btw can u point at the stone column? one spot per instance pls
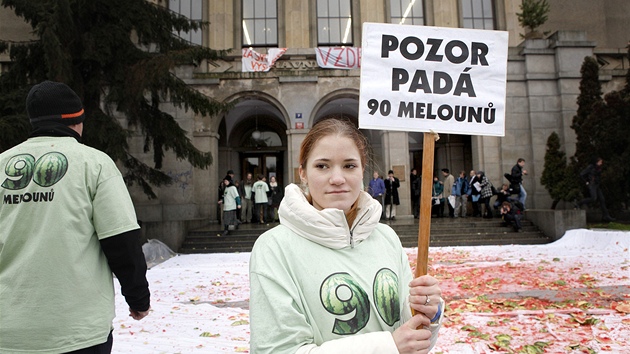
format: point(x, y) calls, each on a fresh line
point(294, 140)
point(206, 194)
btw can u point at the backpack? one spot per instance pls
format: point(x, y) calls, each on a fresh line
point(515, 188)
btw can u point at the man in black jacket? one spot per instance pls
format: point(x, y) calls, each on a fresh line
point(517, 178)
point(415, 182)
point(391, 195)
point(68, 222)
point(591, 175)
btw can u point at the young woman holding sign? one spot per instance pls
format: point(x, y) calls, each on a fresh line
point(330, 278)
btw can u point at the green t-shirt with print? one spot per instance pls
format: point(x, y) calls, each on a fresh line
point(229, 198)
point(59, 198)
point(260, 189)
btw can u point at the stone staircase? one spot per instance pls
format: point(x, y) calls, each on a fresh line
point(444, 232)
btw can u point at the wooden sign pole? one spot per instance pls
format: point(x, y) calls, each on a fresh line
point(424, 229)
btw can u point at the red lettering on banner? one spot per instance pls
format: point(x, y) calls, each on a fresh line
point(256, 66)
point(341, 50)
point(324, 57)
point(352, 62)
point(340, 57)
point(248, 53)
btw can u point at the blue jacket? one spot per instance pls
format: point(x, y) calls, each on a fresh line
point(460, 185)
point(376, 187)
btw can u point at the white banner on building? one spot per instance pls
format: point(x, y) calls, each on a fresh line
point(422, 78)
point(338, 57)
point(254, 61)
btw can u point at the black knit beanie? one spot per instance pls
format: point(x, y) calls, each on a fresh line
point(51, 101)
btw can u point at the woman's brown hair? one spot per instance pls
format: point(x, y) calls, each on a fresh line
point(341, 128)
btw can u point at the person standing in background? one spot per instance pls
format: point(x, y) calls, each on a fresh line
point(391, 195)
point(376, 189)
point(461, 194)
point(237, 184)
point(277, 193)
point(247, 202)
point(415, 183)
point(437, 198)
point(68, 222)
point(485, 194)
point(229, 174)
point(261, 188)
point(592, 176)
point(449, 180)
point(517, 178)
point(231, 202)
point(475, 193)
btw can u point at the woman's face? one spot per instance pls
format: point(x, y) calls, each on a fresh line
point(333, 173)
point(272, 179)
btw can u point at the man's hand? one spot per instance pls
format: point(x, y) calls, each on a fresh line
point(138, 315)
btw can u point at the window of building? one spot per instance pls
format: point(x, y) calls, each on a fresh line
point(192, 9)
point(407, 12)
point(334, 23)
point(478, 14)
point(260, 23)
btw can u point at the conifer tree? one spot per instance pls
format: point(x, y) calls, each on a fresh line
point(602, 127)
point(590, 94)
point(119, 56)
point(554, 169)
point(533, 15)
point(611, 139)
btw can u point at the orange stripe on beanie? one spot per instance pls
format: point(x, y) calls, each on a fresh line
point(50, 102)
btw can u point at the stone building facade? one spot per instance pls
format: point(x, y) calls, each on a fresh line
point(273, 111)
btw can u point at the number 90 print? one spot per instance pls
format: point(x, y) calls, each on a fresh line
point(46, 171)
point(342, 295)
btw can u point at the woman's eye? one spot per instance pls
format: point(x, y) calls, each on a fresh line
point(351, 166)
point(320, 166)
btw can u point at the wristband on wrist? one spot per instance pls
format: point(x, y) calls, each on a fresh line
point(438, 313)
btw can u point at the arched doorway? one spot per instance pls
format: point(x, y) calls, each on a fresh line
point(253, 140)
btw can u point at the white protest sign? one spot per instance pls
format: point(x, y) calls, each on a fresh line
point(422, 78)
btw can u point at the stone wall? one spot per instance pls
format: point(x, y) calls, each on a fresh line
point(555, 223)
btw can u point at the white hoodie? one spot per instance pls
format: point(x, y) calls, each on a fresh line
point(318, 286)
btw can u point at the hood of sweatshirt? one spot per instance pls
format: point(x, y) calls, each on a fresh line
point(328, 227)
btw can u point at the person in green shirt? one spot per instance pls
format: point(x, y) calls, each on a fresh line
point(231, 202)
point(66, 223)
point(331, 278)
point(260, 189)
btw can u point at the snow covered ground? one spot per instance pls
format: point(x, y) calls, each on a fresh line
point(569, 296)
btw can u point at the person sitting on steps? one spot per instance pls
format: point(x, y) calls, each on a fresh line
point(511, 216)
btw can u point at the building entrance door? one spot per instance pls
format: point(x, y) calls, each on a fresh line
point(268, 164)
